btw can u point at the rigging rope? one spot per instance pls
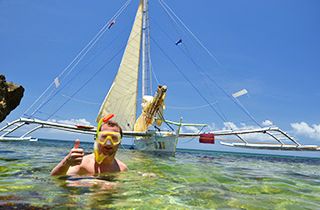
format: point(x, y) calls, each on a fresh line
point(149, 56)
point(80, 100)
point(84, 84)
point(216, 103)
point(162, 117)
point(167, 8)
point(186, 78)
point(150, 63)
point(172, 19)
point(148, 60)
point(96, 72)
point(191, 107)
point(236, 101)
point(68, 83)
point(206, 76)
point(78, 58)
point(154, 74)
point(199, 131)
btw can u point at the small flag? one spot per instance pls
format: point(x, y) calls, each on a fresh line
point(240, 93)
point(179, 42)
point(57, 82)
point(111, 24)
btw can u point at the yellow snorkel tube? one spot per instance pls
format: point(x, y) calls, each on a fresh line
point(99, 157)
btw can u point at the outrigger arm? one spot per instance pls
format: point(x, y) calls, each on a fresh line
point(274, 133)
point(271, 133)
point(54, 125)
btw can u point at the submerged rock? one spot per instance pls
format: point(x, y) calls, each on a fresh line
point(10, 97)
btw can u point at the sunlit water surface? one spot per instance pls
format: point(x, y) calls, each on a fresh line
point(190, 180)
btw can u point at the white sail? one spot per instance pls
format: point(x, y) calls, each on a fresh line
point(121, 99)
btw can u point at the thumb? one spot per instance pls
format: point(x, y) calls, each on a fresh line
point(76, 144)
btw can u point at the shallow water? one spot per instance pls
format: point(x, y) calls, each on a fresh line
point(191, 180)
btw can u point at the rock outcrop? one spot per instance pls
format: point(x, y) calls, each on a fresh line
point(10, 97)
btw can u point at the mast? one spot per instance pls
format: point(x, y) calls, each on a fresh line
point(146, 80)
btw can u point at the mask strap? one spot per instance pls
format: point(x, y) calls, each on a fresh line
point(103, 120)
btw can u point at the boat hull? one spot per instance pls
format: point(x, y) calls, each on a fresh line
point(7, 138)
point(157, 143)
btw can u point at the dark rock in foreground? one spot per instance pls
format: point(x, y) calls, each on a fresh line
point(10, 97)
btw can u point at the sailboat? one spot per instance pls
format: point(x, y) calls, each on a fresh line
point(121, 100)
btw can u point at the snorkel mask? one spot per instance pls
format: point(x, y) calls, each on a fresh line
point(108, 138)
point(105, 138)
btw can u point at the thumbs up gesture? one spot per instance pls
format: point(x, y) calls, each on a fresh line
point(75, 155)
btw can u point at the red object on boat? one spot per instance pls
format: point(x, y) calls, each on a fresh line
point(85, 127)
point(206, 138)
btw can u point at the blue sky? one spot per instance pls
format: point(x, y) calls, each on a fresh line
point(271, 48)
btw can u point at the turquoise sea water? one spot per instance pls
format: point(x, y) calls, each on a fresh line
point(190, 180)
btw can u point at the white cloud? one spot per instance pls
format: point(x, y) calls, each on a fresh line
point(267, 123)
point(252, 136)
point(81, 121)
point(233, 126)
point(197, 129)
point(193, 129)
point(304, 129)
point(229, 125)
point(61, 134)
point(211, 127)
